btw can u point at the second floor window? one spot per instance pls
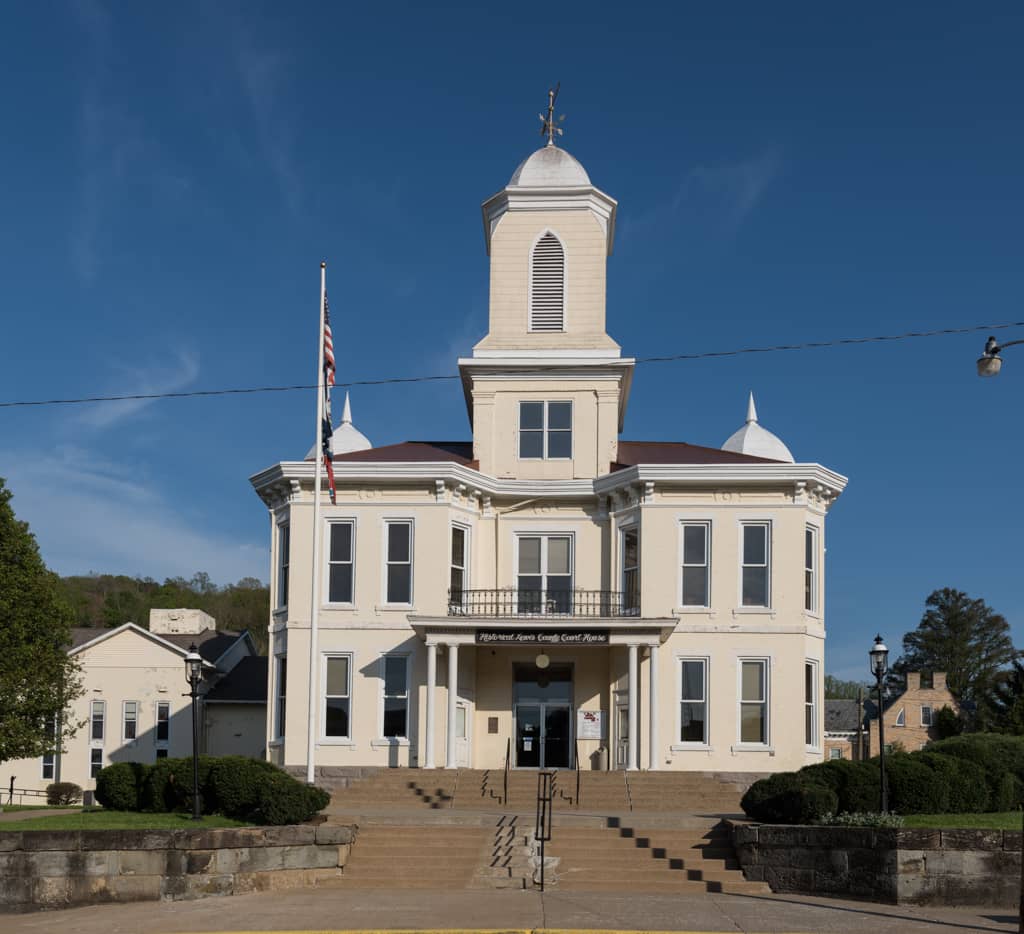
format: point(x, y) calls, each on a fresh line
point(544, 582)
point(545, 430)
point(339, 562)
point(283, 547)
point(926, 716)
point(457, 580)
point(696, 564)
point(756, 573)
point(399, 562)
point(97, 718)
point(631, 569)
point(811, 569)
point(131, 719)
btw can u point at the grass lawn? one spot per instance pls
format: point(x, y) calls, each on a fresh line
point(100, 819)
point(1000, 820)
point(8, 808)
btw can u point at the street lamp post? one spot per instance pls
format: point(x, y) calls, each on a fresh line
point(193, 675)
point(879, 656)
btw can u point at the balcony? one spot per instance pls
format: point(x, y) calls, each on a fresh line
point(543, 604)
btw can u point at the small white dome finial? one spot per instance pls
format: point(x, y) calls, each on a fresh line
point(346, 438)
point(346, 413)
point(751, 409)
point(756, 441)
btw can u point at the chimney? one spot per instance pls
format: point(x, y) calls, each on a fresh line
point(913, 681)
point(180, 622)
point(939, 680)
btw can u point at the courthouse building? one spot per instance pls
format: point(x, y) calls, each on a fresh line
point(546, 591)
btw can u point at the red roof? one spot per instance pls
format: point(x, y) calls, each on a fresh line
point(413, 452)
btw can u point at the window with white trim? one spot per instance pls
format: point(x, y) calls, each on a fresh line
point(547, 285)
point(811, 704)
point(130, 710)
point(280, 694)
point(97, 724)
point(926, 716)
point(340, 562)
point(693, 700)
point(835, 753)
point(545, 430)
point(395, 669)
point(49, 761)
point(95, 762)
point(544, 580)
point(754, 701)
point(631, 569)
point(696, 575)
point(811, 569)
point(163, 725)
point(457, 577)
point(338, 696)
point(901, 717)
point(756, 569)
point(398, 572)
point(283, 558)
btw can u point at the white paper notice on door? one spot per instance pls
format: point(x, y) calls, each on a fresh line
point(527, 744)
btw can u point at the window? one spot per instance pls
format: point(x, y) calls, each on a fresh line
point(282, 689)
point(396, 696)
point(283, 548)
point(695, 564)
point(901, 717)
point(50, 758)
point(547, 285)
point(545, 430)
point(811, 569)
point(755, 564)
point(161, 753)
point(339, 562)
point(835, 753)
point(131, 720)
point(48, 766)
point(544, 582)
point(337, 696)
point(457, 577)
point(754, 701)
point(631, 569)
point(693, 702)
point(97, 718)
point(95, 762)
point(399, 562)
point(926, 716)
point(811, 704)
point(163, 725)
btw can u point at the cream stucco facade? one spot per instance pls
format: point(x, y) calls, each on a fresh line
point(549, 592)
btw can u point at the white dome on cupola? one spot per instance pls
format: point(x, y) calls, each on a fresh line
point(549, 167)
point(756, 441)
point(346, 438)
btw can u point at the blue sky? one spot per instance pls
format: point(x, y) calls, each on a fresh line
point(170, 178)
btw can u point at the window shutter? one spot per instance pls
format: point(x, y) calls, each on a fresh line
point(547, 296)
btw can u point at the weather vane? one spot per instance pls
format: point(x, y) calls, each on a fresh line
point(549, 125)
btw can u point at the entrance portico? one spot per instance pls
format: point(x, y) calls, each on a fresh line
point(526, 681)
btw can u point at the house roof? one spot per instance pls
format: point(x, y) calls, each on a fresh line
point(210, 643)
point(245, 683)
point(840, 716)
point(460, 452)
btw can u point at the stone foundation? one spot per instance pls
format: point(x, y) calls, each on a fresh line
point(902, 866)
point(60, 869)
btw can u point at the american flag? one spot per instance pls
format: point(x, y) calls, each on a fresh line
point(326, 431)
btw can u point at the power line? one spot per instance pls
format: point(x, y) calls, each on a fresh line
point(808, 345)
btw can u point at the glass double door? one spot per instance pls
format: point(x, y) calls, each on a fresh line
point(543, 735)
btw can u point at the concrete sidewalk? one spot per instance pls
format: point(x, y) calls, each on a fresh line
point(340, 909)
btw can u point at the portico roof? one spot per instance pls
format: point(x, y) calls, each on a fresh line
point(620, 630)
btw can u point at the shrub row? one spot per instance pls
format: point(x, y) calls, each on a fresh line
point(237, 787)
point(964, 774)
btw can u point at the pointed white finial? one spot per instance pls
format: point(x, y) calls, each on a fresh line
point(346, 413)
point(751, 410)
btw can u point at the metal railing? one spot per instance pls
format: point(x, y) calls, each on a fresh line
point(576, 757)
point(508, 765)
point(512, 602)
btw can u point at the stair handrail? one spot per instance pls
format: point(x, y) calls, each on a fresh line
point(577, 758)
point(508, 761)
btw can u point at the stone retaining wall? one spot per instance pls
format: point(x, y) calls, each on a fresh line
point(902, 866)
point(58, 868)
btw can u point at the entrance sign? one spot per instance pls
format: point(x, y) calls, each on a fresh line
point(539, 637)
point(590, 724)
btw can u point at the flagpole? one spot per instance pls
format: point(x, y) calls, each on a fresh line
point(314, 600)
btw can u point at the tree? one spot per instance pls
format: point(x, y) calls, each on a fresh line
point(837, 689)
point(38, 679)
point(1007, 701)
point(966, 639)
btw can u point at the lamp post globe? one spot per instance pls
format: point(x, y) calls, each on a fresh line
point(879, 655)
point(193, 676)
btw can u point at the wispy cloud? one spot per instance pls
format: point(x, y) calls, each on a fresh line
point(121, 524)
point(170, 375)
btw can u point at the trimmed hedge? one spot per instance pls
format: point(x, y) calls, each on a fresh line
point(63, 793)
point(788, 798)
point(237, 787)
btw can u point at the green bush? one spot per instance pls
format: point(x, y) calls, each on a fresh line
point(998, 755)
point(118, 786)
point(860, 790)
point(285, 800)
point(168, 786)
point(61, 794)
point(914, 788)
point(236, 784)
point(1008, 793)
point(968, 789)
point(947, 723)
point(789, 798)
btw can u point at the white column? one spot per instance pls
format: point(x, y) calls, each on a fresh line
point(453, 694)
point(428, 753)
point(652, 744)
point(631, 753)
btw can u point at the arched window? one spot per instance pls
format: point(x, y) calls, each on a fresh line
point(547, 285)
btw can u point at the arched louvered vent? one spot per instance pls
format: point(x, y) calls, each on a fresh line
point(547, 294)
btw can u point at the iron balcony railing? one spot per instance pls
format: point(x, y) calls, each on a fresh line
point(510, 602)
